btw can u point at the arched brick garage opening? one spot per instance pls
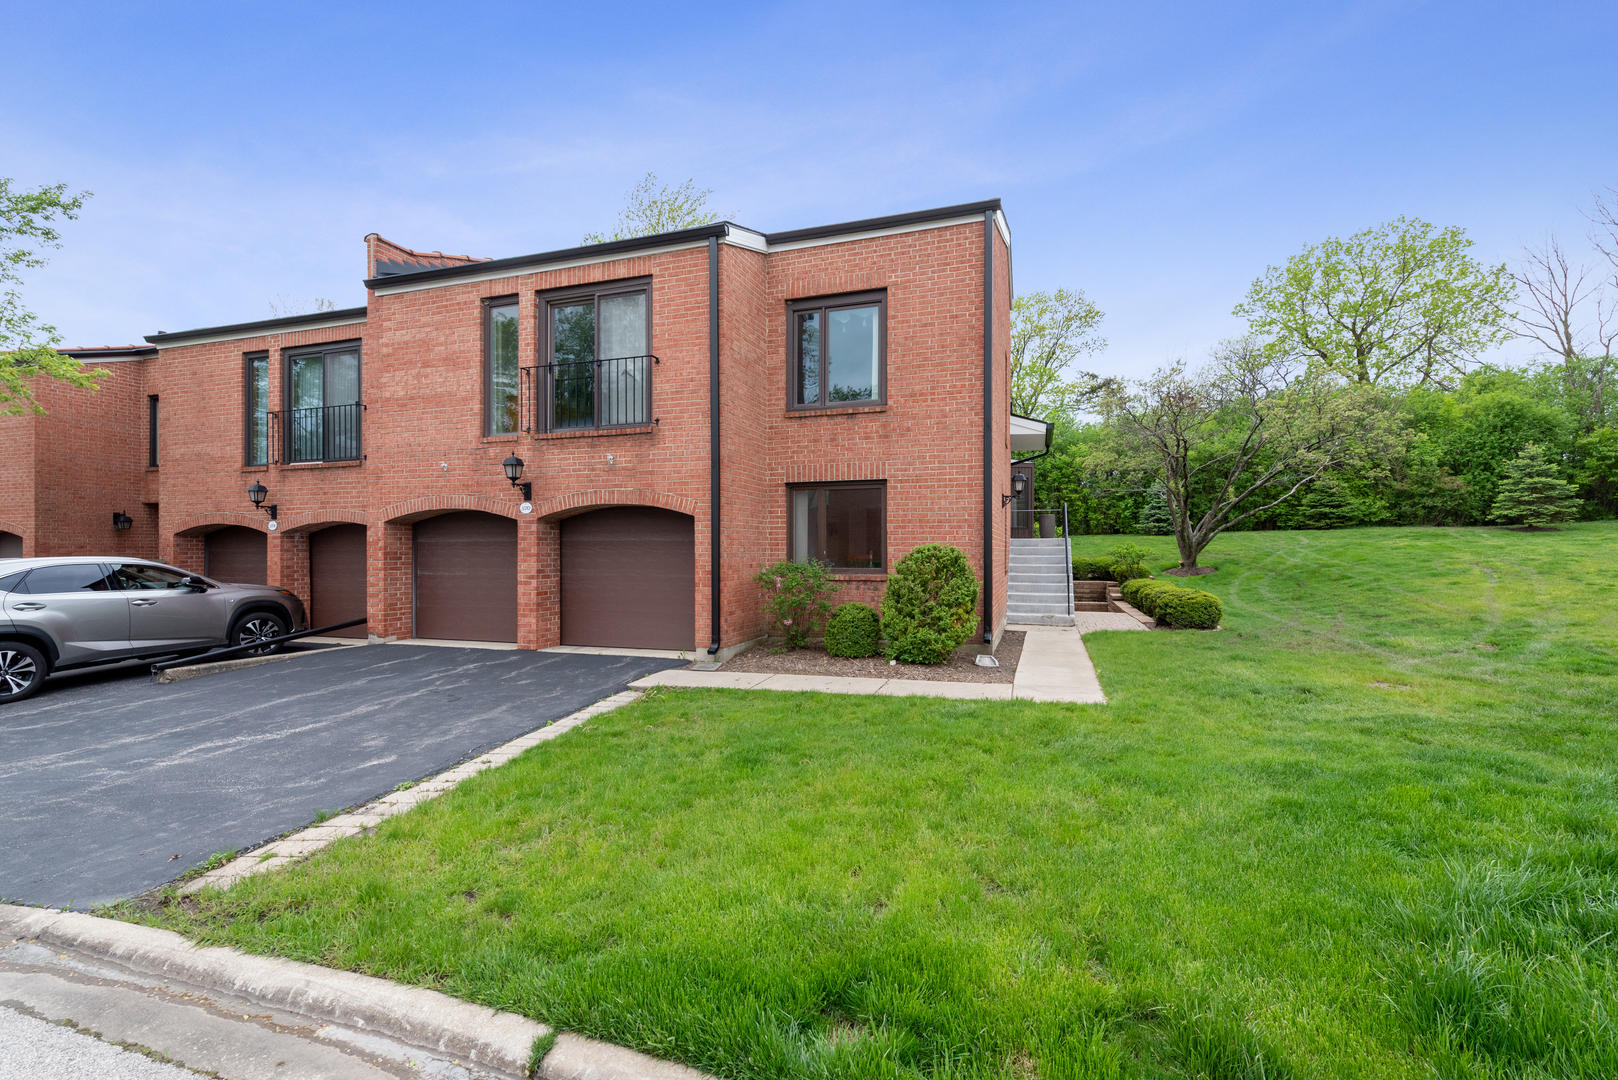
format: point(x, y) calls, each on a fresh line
point(10, 546)
point(466, 577)
point(629, 578)
point(236, 553)
point(337, 577)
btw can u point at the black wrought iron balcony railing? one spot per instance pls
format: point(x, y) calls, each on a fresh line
point(599, 393)
point(324, 433)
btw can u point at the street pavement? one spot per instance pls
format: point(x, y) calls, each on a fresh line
point(111, 785)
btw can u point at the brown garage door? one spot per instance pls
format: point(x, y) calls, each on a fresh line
point(466, 577)
point(337, 577)
point(629, 579)
point(239, 554)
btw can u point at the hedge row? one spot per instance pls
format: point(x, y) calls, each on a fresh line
point(1174, 605)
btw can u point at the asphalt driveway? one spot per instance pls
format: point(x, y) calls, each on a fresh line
point(111, 784)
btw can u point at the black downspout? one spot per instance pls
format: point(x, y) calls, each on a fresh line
point(713, 435)
point(989, 485)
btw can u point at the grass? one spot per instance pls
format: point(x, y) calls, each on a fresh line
point(1368, 830)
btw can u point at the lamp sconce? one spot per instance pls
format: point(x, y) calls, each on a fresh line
point(258, 493)
point(121, 521)
point(513, 465)
point(1019, 484)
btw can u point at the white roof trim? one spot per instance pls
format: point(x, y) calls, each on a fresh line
point(745, 238)
point(205, 339)
point(1028, 435)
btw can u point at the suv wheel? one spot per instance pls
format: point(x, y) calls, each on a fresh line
point(259, 626)
point(22, 670)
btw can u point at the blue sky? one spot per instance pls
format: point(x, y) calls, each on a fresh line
point(1157, 156)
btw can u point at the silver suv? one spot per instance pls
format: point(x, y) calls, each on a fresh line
point(65, 613)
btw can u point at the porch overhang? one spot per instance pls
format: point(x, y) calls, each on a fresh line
point(1030, 436)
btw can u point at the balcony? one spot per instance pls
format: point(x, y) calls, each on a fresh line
point(324, 433)
point(598, 393)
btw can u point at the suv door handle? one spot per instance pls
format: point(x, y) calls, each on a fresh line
point(142, 603)
point(29, 606)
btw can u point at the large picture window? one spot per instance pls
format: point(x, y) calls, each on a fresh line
point(258, 409)
point(838, 352)
point(500, 337)
point(323, 404)
point(599, 363)
point(843, 526)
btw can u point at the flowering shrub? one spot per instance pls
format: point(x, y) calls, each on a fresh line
point(795, 596)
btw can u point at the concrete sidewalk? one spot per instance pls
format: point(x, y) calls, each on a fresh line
point(229, 1014)
point(1054, 667)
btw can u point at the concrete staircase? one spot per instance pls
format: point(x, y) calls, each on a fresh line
point(1040, 586)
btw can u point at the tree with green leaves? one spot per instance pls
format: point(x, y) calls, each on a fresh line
point(28, 346)
point(649, 210)
point(1532, 492)
point(1396, 305)
point(1049, 333)
point(1236, 439)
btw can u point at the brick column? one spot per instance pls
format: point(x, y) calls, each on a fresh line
point(546, 590)
point(186, 552)
point(289, 563)
point(388, 588)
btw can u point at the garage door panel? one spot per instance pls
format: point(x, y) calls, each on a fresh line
point(466, 577)
point(237, 554)
point(337, 573)
point(629, 579)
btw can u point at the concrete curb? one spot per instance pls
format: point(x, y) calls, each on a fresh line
point(218, 667)
point(421, 1017)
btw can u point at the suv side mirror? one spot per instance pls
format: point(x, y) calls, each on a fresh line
point(193, 585)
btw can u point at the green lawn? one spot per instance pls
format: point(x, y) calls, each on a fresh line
point(1367, 830)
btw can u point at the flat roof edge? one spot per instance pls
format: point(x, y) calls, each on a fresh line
point(263, 326)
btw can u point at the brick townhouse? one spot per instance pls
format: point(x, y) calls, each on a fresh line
point(685, 409)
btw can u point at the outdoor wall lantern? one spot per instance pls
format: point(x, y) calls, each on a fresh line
point(258, 493)
point(121, 520)
point(1019, 484)
point(514, 466)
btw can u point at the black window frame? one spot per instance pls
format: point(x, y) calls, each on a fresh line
point(248, 361)
point(151, 431)
point(881, 486)
point(824, 305)
point(324, 349)
point(489, 411)
point(544, 402)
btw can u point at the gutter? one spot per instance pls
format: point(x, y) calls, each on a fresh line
point(990, 488)
point(713, 438)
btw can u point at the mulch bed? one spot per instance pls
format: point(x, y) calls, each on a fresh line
point(815, 661)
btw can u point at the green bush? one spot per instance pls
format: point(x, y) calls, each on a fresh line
point(930, 606)
point(1085, 569)
point(1128, 562)
point(1189, 609)
point(853, 630)
point(1151, 595)
point(1131, 589)
point(795, 597)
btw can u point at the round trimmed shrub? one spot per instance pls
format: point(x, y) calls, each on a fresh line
point(1151, 595)
point(1086, 569)
point(853, 630)
point(1131, 589)
point(931, 604)
point(1189, 609)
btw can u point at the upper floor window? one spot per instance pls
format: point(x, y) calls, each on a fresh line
point(323, 403)
point(837, 353)
point(598, 367)
point(258, 409)
point(151, 431)
point(501, 372)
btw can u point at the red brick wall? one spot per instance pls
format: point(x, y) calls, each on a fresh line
point(425, 451)
point(64, 474)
